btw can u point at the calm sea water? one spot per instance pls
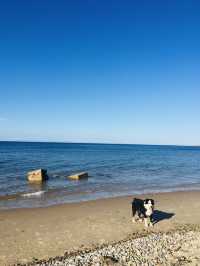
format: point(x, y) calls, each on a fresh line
point(114, 170)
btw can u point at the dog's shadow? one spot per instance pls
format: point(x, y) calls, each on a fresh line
point(159, 216)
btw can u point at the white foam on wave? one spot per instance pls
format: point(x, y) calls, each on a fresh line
point(34, 194)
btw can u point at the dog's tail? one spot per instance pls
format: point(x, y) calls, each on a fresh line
point(132, 200)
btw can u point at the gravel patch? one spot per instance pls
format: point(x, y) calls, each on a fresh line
point(175, 248)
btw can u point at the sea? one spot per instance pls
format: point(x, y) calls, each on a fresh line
point(114, 170)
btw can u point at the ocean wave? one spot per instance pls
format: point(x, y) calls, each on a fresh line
point(34, 194)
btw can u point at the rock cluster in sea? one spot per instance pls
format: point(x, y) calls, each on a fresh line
point(151, 250)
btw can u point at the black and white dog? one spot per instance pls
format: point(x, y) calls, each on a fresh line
point(144, 209)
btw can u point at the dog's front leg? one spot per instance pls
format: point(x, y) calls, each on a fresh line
point(151, 220)
point(146, 222)
point(150, 223)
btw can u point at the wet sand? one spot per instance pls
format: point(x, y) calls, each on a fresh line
point(40, 233)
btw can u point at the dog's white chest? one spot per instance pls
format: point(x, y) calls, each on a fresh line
point(149, 212)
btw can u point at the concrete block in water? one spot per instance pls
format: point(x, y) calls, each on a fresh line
point(39, 175)
point(78, 176)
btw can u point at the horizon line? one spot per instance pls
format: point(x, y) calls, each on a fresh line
point(97, 143)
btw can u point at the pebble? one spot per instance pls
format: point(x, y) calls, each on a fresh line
point(154, 249)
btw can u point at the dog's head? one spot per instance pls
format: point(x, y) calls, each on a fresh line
point(149, 206)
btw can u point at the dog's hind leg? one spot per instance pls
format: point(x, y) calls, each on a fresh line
point(133, 219)
point(133, 214)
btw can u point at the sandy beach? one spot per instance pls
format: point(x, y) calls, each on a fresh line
point(42, 233)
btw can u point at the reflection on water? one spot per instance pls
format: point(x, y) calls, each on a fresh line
point(37, 186)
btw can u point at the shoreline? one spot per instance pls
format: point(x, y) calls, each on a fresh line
point(38, 196)
point(45, 232)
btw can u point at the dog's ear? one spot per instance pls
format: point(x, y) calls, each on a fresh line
point(146, 201)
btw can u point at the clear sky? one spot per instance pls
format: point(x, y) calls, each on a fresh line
point(100, 71)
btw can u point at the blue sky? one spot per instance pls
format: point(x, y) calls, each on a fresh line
point(100, 71)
